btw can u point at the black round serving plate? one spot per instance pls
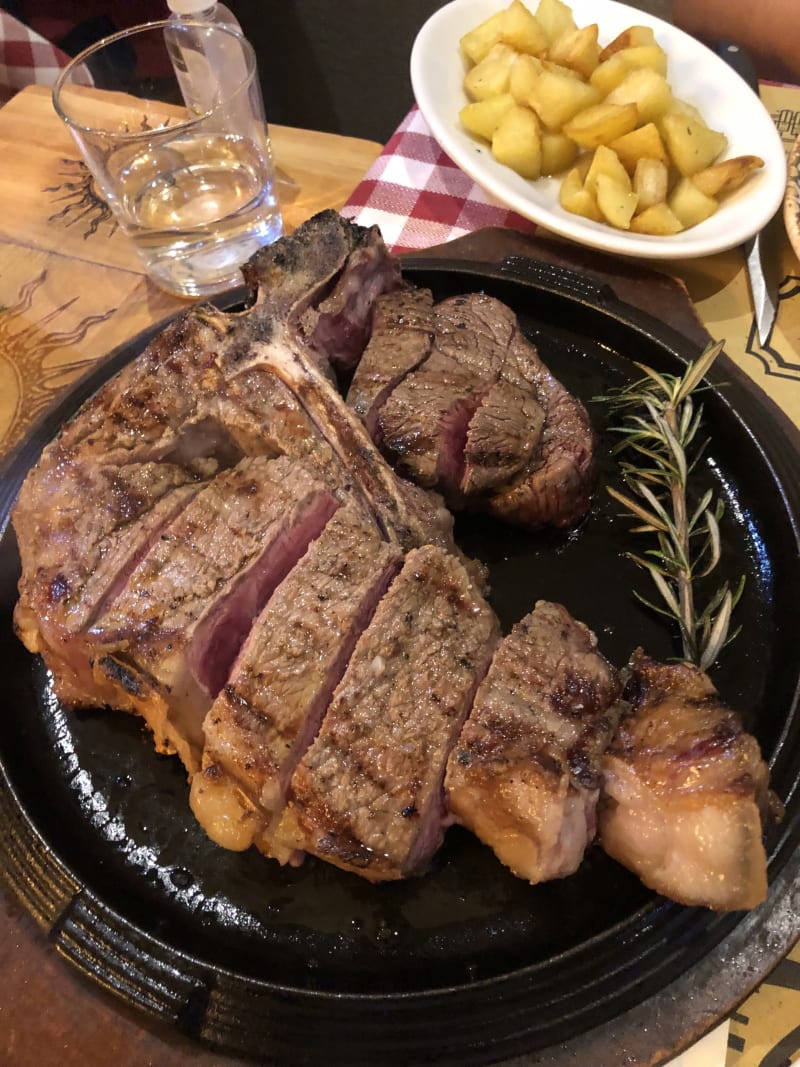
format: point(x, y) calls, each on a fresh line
point(467, 964)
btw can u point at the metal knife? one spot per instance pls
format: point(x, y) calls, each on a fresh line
point(763, 287)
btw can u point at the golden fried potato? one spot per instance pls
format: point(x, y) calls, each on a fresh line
point(476, 44)
point(616, 201)
point(658, 220)
point(525, 71)
point(609, 73)
point(558, 152)
point(651, 182)
point(722, 178)
point(642, 143)
point(491, 76)
point(601, 124)
point(482, 117)
point(517, 142)
point(691, 144)
point(647, 89)
point(576, 198)
point(577, 49)
point(522, 30)
point(606, 162)
point(555, 18)
point(630, 38)
point(557, 97)
point(689, 204)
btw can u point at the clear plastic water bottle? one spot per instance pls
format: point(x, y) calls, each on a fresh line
point(206, 69)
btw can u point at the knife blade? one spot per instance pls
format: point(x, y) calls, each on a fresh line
point(763, 289)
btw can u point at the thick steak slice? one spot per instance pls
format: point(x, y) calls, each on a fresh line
point(403, 328)
point(271, 708)
point(525, 773)
point(465, 405)
point(685, 791)
point(101, 521)
point(171, 636)
point(367, 796)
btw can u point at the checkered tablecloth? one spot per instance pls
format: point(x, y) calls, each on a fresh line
point(419, 197)
point(26, 58)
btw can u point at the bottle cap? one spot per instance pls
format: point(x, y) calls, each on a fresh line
point(189, 7)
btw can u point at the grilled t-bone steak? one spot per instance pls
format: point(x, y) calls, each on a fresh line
point(210, 392)
point(367, 796)
point(459, 400)
point(685, 792)
point(525, 772)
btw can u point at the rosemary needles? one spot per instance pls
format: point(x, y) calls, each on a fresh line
point(658, 450)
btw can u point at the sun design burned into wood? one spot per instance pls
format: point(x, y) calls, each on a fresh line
point(81, 201)
point(31, 374)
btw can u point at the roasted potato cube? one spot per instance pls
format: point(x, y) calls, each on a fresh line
point(482, 117)
point(558, 152)
point(630, 38)
point(491, 76)
point(605, 161)
point(658, 220)
point(577, 49)
point(575, 198)
point(616, 201)
point(525, 70)
point(517, 142)
point(692, 145)
point(476, 44)
point(608, 74)
point(689, 204)
point(642, 143)
point(601, 124)
point(522, 30)
point(558, 97)
point(647, 89)
point(651, 182)
point(555, 18)
point(722, 178)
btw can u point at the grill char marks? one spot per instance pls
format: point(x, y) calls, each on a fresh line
point(367, 796)
point(464, 404)
point(525, 773)
point(190, 602)
point(270, 710)
point(686, 791)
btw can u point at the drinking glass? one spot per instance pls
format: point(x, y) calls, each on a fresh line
point(172, 128)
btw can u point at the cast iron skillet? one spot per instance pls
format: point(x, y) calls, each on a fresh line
point(468, 964)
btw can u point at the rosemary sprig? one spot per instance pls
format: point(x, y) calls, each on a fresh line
point(659, 428)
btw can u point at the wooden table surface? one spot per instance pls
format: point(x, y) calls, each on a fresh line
point(71, 289)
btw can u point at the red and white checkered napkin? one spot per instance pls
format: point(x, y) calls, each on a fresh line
point(418, 197)
point(26, 58)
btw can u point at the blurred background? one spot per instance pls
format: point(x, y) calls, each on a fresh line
point(338, 66)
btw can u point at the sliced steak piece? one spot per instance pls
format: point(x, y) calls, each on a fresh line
point(556, 487)
point(500, 439)
point(171, 636)
point(100, 522)
point(685, 791)
point(367, 796)
point(465, 405)
point(271, 708)
point(525, 773)
point(401, 339)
